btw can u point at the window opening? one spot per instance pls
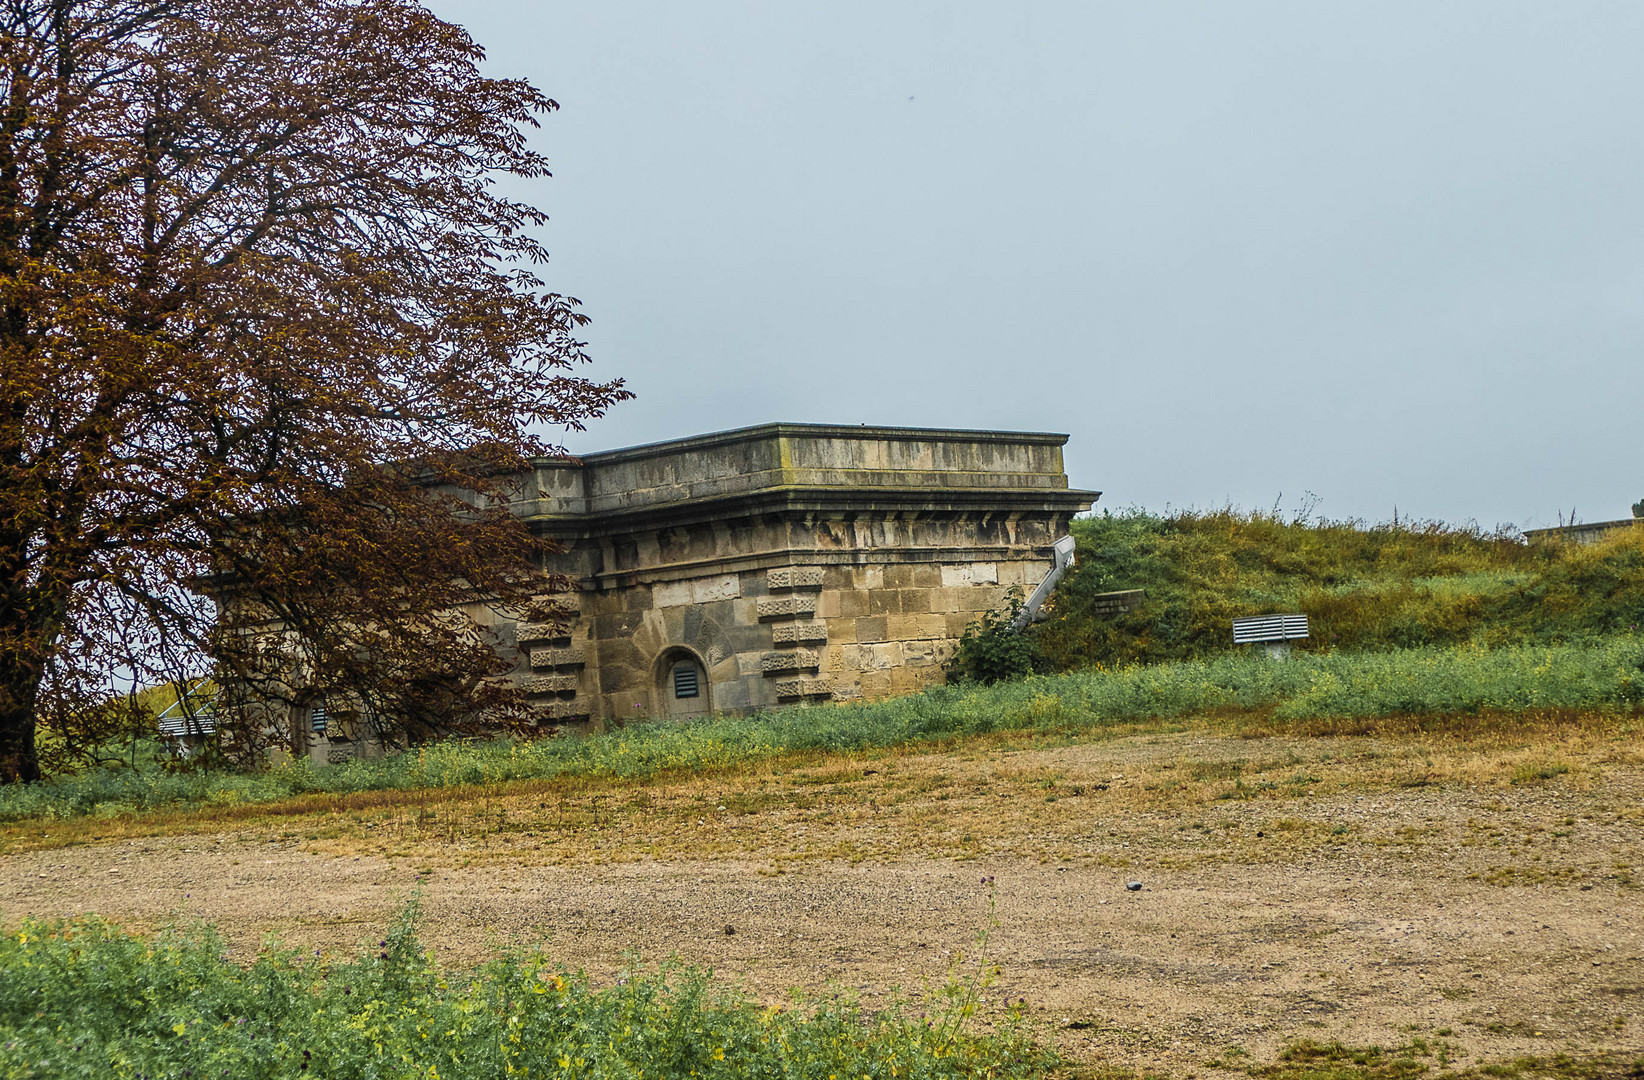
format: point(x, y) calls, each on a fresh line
point(317, 717)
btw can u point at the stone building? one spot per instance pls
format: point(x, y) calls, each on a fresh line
point(780, 564)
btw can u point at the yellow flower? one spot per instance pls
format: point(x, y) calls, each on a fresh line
point(719, 1054)
point(180, 1026)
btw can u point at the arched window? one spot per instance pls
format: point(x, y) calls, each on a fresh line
point(682, 685)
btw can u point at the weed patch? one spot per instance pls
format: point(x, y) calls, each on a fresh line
point(83, 998)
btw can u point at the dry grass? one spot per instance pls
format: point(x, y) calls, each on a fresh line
point(1018, 794)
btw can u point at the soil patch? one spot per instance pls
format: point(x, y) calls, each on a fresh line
point(1363, 890)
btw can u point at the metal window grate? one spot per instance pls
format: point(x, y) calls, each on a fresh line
point(685, 681)
point(317, 717)
point(1260, 628)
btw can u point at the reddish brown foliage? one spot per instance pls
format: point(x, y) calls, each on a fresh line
point(249, 255)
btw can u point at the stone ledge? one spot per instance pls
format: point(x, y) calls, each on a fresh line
point(794, 577)
point(565, 710)
point(562, 657)
point(785, 660)
point(549, 684)
point(794, 633)
point(786, 606)
point(802, 688)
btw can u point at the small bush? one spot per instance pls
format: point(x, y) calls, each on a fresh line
point(991, 650)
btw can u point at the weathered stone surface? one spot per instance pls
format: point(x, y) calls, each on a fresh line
point(779, 607)
point(549, 684)
point(801, 688)
point(567, 656)
point(783, 660)
point(794, 577)
point(696, 590)
point(806, 633)
point(970, 574)
point(565, 710)
point(880, 657)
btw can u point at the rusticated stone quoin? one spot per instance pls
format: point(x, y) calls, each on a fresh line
point(794, 577)
point(785, 660)
point(549, 684)
point(804, 688)
point(565, 710)
point(529, 633)
point(781, 607)
point(566, 656)
point(799, 633)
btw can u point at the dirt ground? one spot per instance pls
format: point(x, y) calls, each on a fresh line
point(1370, 890)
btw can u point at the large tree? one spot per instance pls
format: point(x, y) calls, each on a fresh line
point(271, 341)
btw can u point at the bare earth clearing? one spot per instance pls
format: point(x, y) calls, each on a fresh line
point(1370, 890)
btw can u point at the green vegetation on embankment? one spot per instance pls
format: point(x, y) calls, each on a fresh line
point(1426, 622)
point(1363, 588)
point(1603, 676)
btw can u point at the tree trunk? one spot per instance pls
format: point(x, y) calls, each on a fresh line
point(18, 763)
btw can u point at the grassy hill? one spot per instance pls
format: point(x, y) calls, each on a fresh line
point(1364, 589)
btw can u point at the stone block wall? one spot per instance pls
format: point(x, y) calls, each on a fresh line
point(772, 637)
point(790, 563)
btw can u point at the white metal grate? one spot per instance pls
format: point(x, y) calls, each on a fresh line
point(1259, 628)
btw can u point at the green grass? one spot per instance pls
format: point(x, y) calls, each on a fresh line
point(1363, 588)
point(1604, 675)
point(83, 998)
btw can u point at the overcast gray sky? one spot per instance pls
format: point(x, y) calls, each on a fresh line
point(1388, 253)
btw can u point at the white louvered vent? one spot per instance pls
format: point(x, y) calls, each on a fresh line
point(1260, 628)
